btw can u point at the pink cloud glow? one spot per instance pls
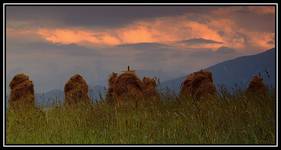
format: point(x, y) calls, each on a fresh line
point(165, 30)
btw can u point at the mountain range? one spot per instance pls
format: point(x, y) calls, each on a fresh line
point(231, 74)
point(237, 73)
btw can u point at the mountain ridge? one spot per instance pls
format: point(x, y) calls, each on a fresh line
point(236, 72)
point(231, 73)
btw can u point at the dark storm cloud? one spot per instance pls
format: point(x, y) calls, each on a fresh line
point(264, 22)
point(251, 20)
point(110, 16)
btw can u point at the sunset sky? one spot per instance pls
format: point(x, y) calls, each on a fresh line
point(51, 43)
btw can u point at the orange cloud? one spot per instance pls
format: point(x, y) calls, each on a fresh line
point(136, 34)
point(262, 41)
point(237, 37)
point(229, 30)
point(161, 30)
point(76, 36)
point(200, 30)
point(167, 30)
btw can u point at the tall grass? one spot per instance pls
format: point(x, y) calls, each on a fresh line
point(225, 119)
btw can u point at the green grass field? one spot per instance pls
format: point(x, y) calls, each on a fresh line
point(227, 119)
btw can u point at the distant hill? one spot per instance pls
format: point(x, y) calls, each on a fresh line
point(162, 75)
point(237, 72)
point(97, 92)
point(229, 73)
point(49, 98)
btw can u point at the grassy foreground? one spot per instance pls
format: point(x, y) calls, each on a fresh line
point(226, 119)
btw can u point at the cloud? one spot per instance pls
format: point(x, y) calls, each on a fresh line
point(251, 18)
point(199, 43)
point(145, 46)
point(76, 36)
point(238, 27)
point(44, 48)
point(139, 32)
point(93, 16)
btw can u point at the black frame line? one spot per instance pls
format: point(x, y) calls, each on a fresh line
point(145, 4)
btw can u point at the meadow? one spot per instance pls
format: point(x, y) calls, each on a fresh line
point(224, 119)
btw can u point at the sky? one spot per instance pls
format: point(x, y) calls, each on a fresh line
point(52, 43)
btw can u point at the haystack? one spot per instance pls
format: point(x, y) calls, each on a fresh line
point(22, 91)
point(128, 84)
point(257, 86)
point(149, 87)
point(198, 84)
point(76, 90)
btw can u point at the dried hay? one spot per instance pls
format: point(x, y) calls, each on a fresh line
point(127, 85)
point(76, 89)
point(22, 90)
point(149, 87)
point(198, 84)
point(257, 86)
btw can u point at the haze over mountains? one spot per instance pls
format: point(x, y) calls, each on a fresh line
point(232, 74)
point(236, 73)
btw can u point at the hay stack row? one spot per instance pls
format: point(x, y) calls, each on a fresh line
point(22, 90)
point(200, 84)
point(127, 84)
